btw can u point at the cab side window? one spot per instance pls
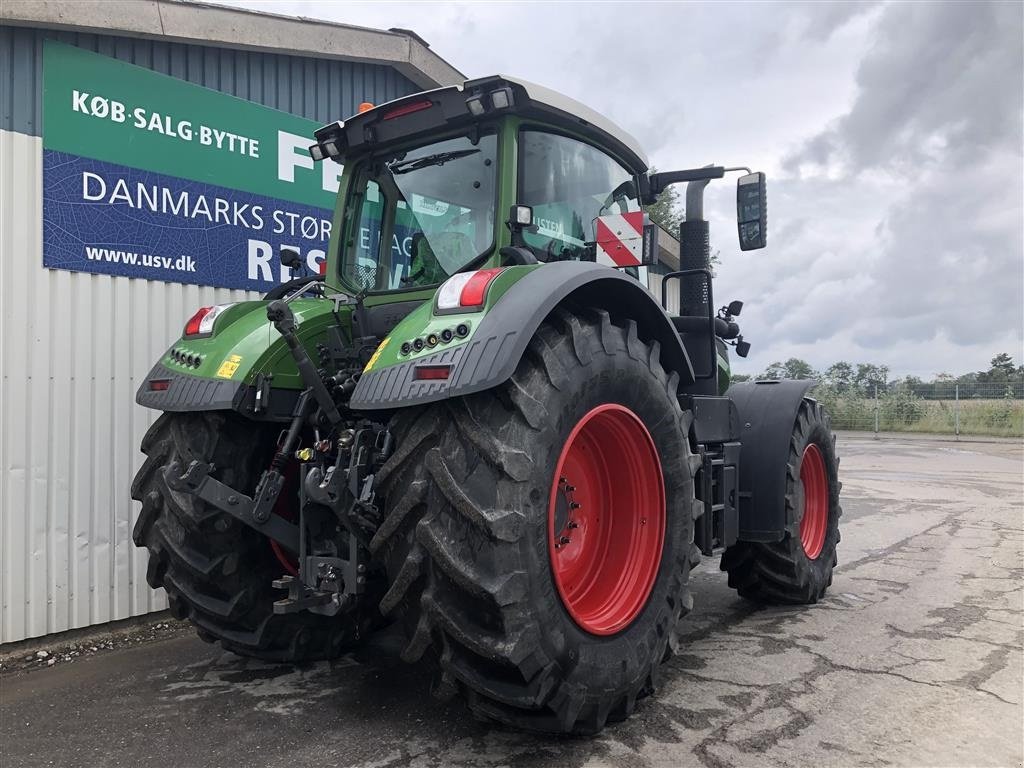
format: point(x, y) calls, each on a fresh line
point(569, 183)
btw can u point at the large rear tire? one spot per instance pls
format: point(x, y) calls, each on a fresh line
point(541, 624)
point(216, 571)
point(798, 569)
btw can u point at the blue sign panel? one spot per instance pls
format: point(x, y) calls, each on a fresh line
point(107, 218)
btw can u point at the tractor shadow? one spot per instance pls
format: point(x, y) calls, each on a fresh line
point(370, 707)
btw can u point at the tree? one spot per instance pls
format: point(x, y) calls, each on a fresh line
point(794, 368)
point(773, 371)
point(1001, 368)
point(840, 376)
point(869, 376)
point(667, 212)
point(736, 378)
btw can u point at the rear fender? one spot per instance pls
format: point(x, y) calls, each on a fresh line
point(499, 337)
point(767, 412)
point(227, 363)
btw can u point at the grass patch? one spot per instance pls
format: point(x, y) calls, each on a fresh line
point(902, 412)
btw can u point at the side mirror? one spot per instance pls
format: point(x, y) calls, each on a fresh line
point(752, 211)
point(291, 258)
point(735, 307)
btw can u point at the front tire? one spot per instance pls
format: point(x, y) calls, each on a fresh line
point(798, 569)
point(478, 508)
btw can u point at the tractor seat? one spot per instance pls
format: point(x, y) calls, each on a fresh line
point(435, 259)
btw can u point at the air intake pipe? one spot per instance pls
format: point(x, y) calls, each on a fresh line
point(695, 290)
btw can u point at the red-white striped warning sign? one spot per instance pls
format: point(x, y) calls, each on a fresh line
point(620, 239)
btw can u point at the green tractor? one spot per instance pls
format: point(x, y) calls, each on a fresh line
point(478, 423)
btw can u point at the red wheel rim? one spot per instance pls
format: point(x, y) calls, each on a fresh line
point(814, 523)
point(606, 519)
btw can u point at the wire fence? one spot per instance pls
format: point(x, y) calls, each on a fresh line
point(948, 408)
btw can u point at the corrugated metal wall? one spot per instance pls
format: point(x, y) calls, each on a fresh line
point(74, 346)
point(73, 349)
point(318, 89)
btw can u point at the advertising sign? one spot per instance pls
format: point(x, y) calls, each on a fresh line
point(145, 175)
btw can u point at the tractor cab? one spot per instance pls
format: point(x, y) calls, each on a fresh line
point(500, 172)
point(496, 172)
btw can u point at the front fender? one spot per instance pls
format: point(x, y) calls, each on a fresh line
point(767, 411)
point(489, 356)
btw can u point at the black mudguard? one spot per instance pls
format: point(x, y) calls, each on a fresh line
point(767, 411)
point(500, 340)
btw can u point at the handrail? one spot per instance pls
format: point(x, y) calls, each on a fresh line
point(706, 273)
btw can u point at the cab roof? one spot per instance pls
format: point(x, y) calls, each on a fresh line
point(430, 111)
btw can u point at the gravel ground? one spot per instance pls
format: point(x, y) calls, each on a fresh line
point(914, 658)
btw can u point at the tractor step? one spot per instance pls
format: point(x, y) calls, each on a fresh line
point(718, 486)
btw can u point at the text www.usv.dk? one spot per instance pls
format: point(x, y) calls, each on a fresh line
point(132, 258)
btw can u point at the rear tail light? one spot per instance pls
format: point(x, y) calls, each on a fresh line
point(159, 385)
point(194, 322)
point(466, 290)
point(202, 321)
point(431, 372)
point(407, 109)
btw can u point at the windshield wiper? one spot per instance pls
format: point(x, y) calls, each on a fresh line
point(405, 166)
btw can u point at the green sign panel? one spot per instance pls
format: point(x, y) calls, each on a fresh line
point(109, 110)
point(146, 175)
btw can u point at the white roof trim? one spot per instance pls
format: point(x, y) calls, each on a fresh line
point(569, 105)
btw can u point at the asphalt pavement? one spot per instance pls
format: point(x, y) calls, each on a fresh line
point(914, 659)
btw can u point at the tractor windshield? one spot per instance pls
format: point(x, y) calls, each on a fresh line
point(417, 216)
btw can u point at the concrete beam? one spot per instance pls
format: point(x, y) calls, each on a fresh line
point(668, 249)
point(215, 25)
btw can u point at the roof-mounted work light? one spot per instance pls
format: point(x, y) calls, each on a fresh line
point(321, 151)
point(502, 98)
point(499, 98)
point(330, 142)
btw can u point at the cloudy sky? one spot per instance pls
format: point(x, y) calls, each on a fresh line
point(891, 134)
